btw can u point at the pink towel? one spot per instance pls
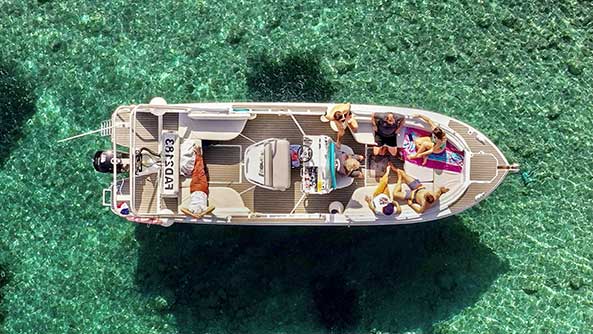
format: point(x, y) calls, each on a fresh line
point(450, 159)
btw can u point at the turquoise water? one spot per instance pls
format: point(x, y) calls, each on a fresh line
point(520, 262)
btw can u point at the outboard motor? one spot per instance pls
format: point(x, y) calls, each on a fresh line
point(105, 160)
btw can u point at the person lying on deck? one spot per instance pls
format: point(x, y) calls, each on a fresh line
point(425, 146)
point(386, 127)
point(198, 206)
point(341, 117)
point(382, 202)
point(418, 197)
point(349, 165)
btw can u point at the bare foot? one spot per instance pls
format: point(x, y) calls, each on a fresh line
point(198, 215)
point(424, 160)
point(197, 150)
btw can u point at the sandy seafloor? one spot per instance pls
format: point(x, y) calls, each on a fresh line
point(519, 262)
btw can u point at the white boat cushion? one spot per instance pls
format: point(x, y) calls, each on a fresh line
point(227, 201)
point(358, 209)
point(210, 129)
point(281, 165)
point(451, 180)
point(424, 174)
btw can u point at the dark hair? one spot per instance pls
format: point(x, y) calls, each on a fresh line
point(439, 133)
point(429, 198)
point(388, 209)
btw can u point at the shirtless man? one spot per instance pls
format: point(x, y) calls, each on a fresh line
point(419, 198)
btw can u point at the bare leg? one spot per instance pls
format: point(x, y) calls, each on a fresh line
point(407, 178)
point(398, 194)
point(353, 125)
point(383, 186)
point(424, 146)
point(398, 185)
point(376, 150)
point(392, 150)
point(340, 135)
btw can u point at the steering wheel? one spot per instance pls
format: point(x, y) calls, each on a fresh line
point(305, 153)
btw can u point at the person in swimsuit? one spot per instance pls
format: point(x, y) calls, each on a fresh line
point(198, 206)
point(349, 165)
point(386, 128)
point(341, 117)
point(382, 202)
point(418, 197)
point(425, 146)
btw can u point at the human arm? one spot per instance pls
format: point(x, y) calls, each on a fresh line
point(416, 207)
point(427, 120)
point(341, 132)
point(357, 174)
point(370, 202)
point(352, 123)
point(374, 122)
point(441, 191)
point(401, 125)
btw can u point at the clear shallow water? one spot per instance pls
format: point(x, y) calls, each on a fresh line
point(519, 262)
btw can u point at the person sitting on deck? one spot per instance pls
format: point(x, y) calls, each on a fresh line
point(198, 206)
point(382, 202)
point(341, 117)
point(419, 198)
point(425, 146)
point(386, 127)
point(349, 165)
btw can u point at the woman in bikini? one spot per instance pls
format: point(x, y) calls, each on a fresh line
point(425, 146)
point(418, 197)
point(341, 117)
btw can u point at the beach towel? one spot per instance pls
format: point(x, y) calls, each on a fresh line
point(450, 159)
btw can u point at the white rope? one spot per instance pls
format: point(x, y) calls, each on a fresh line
point(298, 203)
point(244, 136)
point(298, 125)
point(80, 135)
point(247, 190)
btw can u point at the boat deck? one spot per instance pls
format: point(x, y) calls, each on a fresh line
point(223, 161)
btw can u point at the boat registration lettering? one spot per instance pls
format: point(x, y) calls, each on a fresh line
point(170, 157)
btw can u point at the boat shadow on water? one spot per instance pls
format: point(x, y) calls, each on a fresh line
point(17, 105)
point(301, 280)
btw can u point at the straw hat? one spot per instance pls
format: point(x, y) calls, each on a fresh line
point(329, 115)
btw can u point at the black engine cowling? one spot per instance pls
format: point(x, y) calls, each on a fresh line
point(103, 161)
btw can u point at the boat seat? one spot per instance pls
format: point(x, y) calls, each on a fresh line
point(358, 209)
point(343, 181)
point(445, 178)
point(268, 164)
point(211, 128)
point(424, 174)
point(365, 133)
point(226, 201)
